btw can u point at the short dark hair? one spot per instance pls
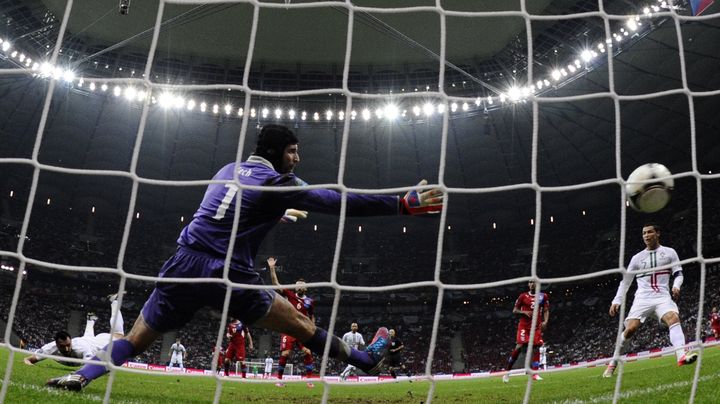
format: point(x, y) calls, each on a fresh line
point(272, 141)
point(61, 335)
point(300, 280)
point(654, 226)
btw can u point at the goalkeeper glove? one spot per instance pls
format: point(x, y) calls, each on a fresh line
point(292, 215)
point(420, 203)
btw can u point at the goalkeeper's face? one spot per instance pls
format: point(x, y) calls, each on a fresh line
point(290, 159)
point(64, 346)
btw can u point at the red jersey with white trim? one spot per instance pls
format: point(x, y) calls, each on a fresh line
point(651, 284)
point(714, 320)
point(526, 302)
point(237, 331)
point(304, 304)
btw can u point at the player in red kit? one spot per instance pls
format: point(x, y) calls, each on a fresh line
point(524, 306)
point(714, 320)
point(220, 358)
point(237, 333)
point(306, 306)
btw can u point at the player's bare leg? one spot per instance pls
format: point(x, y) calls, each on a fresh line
point(631, 327)
point(282, 317)
point(137, 341)
point(677, 338)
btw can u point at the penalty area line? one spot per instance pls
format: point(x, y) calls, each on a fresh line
point(640, 392)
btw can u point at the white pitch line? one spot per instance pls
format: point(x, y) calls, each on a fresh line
point(640, 392)
point(63, 393)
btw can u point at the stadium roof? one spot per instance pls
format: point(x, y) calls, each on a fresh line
point(576, 144)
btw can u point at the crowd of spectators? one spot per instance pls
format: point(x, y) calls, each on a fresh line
point(476, 329)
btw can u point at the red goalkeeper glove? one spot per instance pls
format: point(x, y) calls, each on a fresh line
point(424, 202)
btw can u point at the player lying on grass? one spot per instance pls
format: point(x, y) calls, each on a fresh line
point(84, 347)
point(653, 295)
point(203, 245)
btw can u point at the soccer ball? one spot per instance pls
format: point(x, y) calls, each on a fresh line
point(649, 196)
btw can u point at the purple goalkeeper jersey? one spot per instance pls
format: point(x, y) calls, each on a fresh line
point(211, 226)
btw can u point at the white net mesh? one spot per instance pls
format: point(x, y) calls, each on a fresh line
point(448, 102)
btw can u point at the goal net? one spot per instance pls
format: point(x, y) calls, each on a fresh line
point(527, 115)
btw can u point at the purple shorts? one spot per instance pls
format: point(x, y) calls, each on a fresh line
point(171, 305)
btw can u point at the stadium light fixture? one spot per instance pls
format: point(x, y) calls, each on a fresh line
point(241, 111)
point(303, 116)
point(68, 76)
point(489, 100)
point(514, 93)
point(465, 106)
point(316, 116)
point(366, 114)
point(104, 87)
point(5, 46)
point(165, 100)
point(228, 109)
point(215, 109)
point(391, 111)
point(428, 109)
point(117, 91)
point(291, 114)
point(416, 110)
point(341, 115)
point(278, 113)
point(453, 107)
point(191, 105)
point(137, 215)
point(556, 74)
point(379, 113)
point(632, 24)
point(353, 114)
point(203, 107)
point(328, 115)
point(92, 86)
point(265, 112)
point(21, 58)
point(130, 93)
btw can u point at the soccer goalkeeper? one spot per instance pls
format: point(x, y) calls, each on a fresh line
point(204, 242)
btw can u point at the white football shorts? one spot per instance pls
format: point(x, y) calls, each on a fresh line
point(642, 308)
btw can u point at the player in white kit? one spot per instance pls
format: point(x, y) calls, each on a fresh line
point(268, 366)
point(85, 347)
point(355, 340)
point(543, 356)
point(177, 353)
point(653, 295)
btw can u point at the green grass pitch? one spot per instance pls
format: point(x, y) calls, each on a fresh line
point(654, 380)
